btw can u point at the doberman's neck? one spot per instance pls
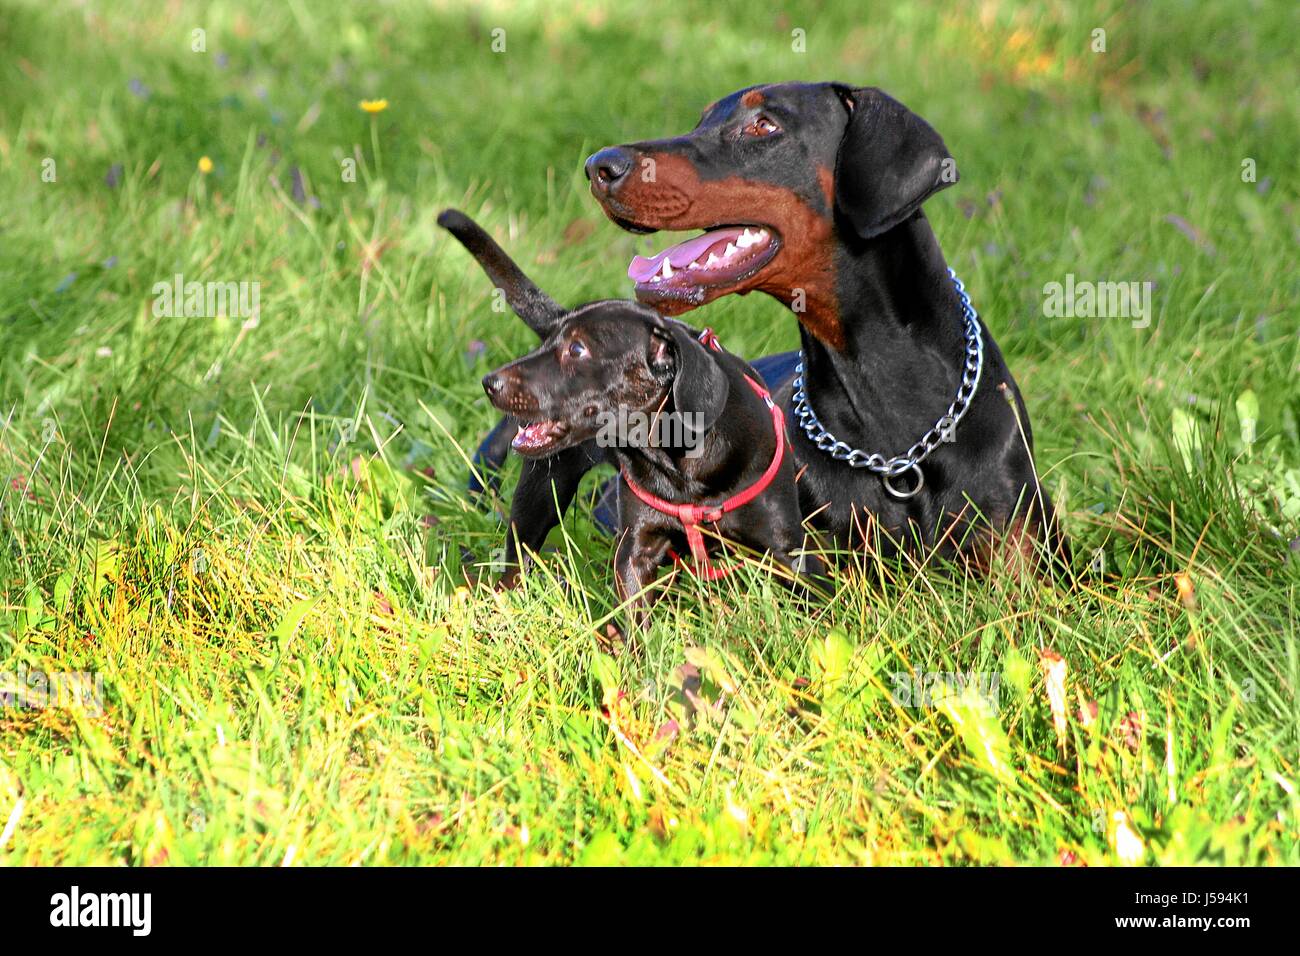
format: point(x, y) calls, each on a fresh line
point(709, 464)
point(901, 338)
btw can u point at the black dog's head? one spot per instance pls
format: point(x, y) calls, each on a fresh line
point(605, 364)
point(610, 358)
point(770, 173)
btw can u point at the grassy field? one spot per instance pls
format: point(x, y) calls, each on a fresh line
point(254, 532)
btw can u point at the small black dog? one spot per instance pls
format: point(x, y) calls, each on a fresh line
point(697, 439)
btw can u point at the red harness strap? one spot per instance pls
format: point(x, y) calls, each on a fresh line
point(691, 515)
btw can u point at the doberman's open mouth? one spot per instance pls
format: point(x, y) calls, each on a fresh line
point(689, 271)
point(536, 439)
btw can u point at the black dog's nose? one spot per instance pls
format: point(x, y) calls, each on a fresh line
point(493, 383)
point(606, 168)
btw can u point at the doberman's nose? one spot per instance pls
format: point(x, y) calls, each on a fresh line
point(493, 384)
point(607, 168)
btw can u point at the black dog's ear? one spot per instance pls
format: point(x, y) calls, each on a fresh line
point(890, 161)
point(539, 311)
point(700, 387)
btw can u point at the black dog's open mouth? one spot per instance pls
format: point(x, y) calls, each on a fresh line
point(721, 257)
point(539, 438)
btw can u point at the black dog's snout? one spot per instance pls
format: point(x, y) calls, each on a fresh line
point(607, 168)
point(493, 384)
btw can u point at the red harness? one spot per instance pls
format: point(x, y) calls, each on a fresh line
point(692, 516)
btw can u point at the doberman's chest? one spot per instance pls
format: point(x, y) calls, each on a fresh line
point(853, 506)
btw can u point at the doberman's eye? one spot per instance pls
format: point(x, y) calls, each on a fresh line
point(761, 126)
point(577, 350)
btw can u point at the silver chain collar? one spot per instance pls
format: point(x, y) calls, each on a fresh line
point(891, 468)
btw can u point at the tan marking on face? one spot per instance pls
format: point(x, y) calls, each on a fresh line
point(752, 99)
point(826, 177)
point(641, 391)
point(679, 200)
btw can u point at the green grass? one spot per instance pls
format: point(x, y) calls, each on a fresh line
point(258, 537)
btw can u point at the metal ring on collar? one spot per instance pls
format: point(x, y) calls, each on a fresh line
point(904, 494)
point(941, 431)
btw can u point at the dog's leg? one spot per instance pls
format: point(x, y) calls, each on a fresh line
point(789, 544)
point(490, 456)
point(1059, 555)
point(636, 560)
point(545, 491)
point(808, 573)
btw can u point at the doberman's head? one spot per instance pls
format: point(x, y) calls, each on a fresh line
point(777, 176)
point(598, 364)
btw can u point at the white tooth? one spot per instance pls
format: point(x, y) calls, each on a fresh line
point(693, 265)
point(747, 238)
point(668, 269)
point(713, 257)
point(729, 251)
point(762, 234)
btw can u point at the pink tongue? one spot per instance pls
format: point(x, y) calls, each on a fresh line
point(530, 435)
point(680, 255)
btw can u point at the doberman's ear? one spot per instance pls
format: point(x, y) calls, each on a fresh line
point(700, 387)
point(890, 161)
point(539, 311)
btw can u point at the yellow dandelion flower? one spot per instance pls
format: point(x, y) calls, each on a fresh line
point(374, 106)
point(205, 165)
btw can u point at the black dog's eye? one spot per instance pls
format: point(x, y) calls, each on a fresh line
point(577, 350)
point(761, 126)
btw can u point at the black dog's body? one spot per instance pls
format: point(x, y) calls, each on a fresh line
point(605, 361)
point(897, 370)
point(835, 177)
